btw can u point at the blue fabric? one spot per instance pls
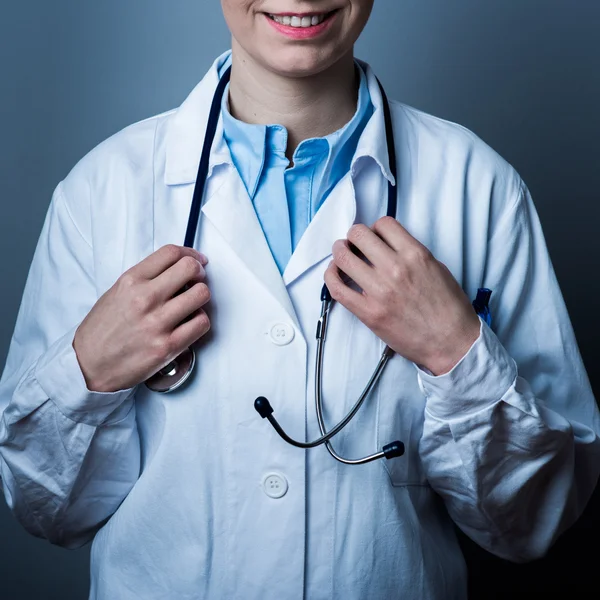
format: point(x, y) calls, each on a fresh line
point(285, 199)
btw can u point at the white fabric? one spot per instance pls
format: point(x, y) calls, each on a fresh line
point(506, 444)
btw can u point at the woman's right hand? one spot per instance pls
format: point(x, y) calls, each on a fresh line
point(144, 320)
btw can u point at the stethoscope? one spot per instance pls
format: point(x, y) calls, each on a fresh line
point(173, 375)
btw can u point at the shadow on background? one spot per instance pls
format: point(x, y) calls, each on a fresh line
point(523, 74)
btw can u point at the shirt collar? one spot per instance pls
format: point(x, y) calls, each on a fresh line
point(243, 140)
point(345, 140)
point(250, 144)
point(247, 145)
point(187, 127)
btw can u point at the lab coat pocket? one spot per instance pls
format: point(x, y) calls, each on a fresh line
point(400, 408)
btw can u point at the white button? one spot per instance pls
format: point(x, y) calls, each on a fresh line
point(275, 485)
point(282, 334)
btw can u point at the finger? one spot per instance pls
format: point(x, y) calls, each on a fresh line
point(375, 250)
point(340, 292)
point(182, 306)
point(178, 278)
point(394, 235)
point(166, 256)
point(190, 331)
point(353, 266)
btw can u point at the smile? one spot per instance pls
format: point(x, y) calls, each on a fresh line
point(301, 21)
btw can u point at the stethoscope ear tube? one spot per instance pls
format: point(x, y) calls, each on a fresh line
point(265, 410)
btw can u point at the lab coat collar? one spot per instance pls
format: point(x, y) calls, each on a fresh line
point(330, 223)
point(373, 141)
point(187, 128)
point(232, 214)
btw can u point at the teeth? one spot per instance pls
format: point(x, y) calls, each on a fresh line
point(299, 21)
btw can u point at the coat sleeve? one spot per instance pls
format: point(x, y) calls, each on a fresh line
point(68, 455)
point(510, 437)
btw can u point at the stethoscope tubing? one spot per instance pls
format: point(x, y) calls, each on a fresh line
point(202, 177)
point(387, 353)
point(261, 404)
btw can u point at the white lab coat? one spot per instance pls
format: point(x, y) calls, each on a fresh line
point(172, 486)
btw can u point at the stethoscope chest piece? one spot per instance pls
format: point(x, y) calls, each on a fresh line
point(173, 375)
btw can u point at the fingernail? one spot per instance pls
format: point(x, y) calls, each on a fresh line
point(201, 257)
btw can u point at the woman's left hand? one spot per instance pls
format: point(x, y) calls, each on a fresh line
point(409, 299)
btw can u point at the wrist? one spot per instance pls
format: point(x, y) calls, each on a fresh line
point(91, 384)
point(456, 348)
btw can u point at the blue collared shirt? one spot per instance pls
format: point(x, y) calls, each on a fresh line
point(286, 199)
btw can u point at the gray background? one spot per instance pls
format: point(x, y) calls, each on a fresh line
point(523, 74)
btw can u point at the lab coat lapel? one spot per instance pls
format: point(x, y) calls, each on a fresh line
point(330, 223)
point(231, 212)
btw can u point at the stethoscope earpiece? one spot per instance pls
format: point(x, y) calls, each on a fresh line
point(394, 449)
point(263, 407)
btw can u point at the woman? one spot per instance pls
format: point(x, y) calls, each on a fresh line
point(191, 494)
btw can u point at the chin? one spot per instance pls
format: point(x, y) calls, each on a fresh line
point(298, 62)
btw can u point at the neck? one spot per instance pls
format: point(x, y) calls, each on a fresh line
point(307, 107)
